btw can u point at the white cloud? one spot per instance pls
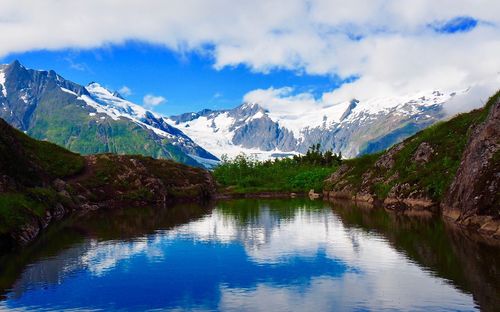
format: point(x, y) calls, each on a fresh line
point(283, 101)
point(125, 91)
point(386, 42)
point(150, 101)
point(76, 66)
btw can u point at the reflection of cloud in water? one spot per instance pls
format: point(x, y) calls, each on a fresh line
point(352, 292)
point(91, 255)
point(104, 256)
point(380, 276)
point(382, 271)
point(303, 234)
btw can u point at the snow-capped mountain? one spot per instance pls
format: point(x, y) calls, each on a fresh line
point(352, 127)
point(115, 106)
point(89, 119)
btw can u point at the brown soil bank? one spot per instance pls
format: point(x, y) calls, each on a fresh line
point(41, 182)
point(451, 168)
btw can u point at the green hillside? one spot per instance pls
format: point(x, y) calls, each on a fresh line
point(430, 176)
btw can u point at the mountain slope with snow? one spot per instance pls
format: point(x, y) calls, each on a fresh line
point(351, 128)
point(89, 119)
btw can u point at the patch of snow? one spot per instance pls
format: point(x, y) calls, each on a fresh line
point(207, 163)
point(68, 91)
point(24, 97)
point(215, 136)
point(105, 102)
point(2, 83)
point(257, 115)
point(116, 105)
point(297, 123)
point(98, 107)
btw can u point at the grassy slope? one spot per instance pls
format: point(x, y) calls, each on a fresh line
point(448, 139)
point(30, 164)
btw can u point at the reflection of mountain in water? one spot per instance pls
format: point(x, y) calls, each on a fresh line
point(67, 247)
point(248, 250)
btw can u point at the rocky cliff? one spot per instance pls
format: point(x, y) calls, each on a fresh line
point(452, 167)
point(474, 195)
point(41, 182)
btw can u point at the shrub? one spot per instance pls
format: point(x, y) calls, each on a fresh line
point(300, 173)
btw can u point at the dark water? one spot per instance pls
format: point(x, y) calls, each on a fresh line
point(253, 255)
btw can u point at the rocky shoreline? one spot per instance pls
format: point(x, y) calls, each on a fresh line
point(110, 181)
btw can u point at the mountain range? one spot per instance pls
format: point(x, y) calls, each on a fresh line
point(351, 128)
point(89, 119)
point(92, 119)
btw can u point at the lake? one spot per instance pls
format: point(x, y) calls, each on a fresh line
point(253, 255)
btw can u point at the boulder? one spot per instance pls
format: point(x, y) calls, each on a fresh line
point(423, 154)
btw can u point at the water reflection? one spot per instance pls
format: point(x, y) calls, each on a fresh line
point(254, 255)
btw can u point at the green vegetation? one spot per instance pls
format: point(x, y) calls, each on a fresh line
point(17, 208)
point(448, 139)
point(300, 173)
point(14, 210)
point(30, 164)
point(55, 160)
point(359, 166)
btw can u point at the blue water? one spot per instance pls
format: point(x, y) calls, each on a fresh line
point(245, 255)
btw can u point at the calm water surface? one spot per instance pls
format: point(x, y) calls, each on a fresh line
point(252, 255)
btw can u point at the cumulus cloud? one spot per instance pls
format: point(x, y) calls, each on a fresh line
point(150, 101)
point(126, 91)
point(394, 46)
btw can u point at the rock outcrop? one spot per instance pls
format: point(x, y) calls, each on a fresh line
point(473, 198)
point(423, 154)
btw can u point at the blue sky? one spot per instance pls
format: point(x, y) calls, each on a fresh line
point(213, 54)
point(188, 81)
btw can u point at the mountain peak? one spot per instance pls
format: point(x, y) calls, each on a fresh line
point(14, 66)
point(250, 108)
point(352, 104)
point(250, 105)
point(94, 84)
point(95, 87)
point(118, 95)
point(16, 63)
